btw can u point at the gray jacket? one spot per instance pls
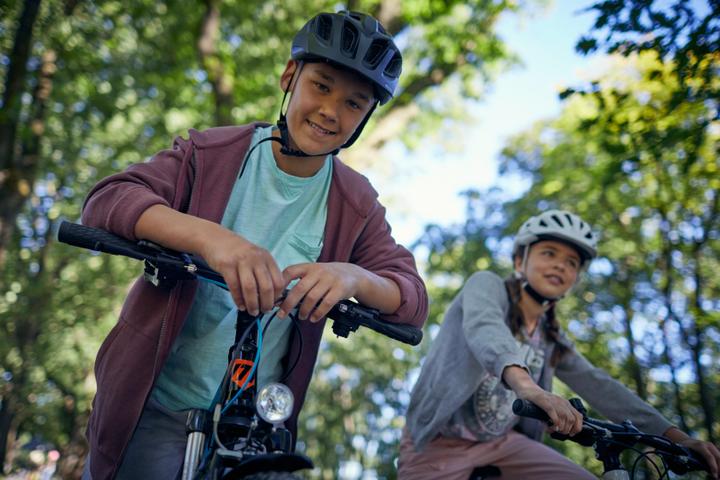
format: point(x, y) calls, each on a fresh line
point(475, 339)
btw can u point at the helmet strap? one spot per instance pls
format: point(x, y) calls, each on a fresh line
point(539, 297)
point(360, 127)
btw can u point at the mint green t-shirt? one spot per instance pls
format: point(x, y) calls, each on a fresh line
point(282, 213)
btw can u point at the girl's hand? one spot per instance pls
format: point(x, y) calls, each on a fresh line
point(320, 287)
point(564, 417)
point(708, 451)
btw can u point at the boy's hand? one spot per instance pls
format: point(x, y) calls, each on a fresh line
point(320, 286)
point(251, 274)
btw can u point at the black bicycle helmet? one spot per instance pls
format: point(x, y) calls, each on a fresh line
point(352, 40)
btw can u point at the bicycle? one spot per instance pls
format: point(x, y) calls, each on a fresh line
point(610, 440)
point(242, 436)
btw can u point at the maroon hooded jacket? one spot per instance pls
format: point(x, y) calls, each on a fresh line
point(135, 350)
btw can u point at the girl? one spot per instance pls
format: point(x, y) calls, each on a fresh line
point(500, 341)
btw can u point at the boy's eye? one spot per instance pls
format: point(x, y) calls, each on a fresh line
point(354, 105)
point(322, 87)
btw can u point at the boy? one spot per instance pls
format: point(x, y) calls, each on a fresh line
point(268, 208)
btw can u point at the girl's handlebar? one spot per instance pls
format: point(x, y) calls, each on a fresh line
point(347, 315)
point(679, 459)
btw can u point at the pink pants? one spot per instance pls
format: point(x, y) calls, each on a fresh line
point(517, 457)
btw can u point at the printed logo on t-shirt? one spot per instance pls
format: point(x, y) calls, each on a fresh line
point(492, 401)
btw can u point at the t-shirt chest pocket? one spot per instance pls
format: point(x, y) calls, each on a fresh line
point(308, 247)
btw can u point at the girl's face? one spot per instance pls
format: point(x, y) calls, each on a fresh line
point(552, 267)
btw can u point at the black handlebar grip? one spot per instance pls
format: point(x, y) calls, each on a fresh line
point(351, 313)
point(525, 408)
point(99, 240)
point(404, 333)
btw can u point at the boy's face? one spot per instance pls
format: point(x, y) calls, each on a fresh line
point(326, 107)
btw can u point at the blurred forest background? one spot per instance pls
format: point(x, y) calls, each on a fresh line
point(90, 86)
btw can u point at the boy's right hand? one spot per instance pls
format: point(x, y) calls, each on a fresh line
point(250, 272)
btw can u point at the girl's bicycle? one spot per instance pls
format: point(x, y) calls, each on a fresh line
point(242, 434)
point(610, 440)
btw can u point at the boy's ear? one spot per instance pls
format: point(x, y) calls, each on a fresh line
point(287, 74)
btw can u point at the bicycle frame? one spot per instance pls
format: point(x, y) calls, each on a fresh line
point(255, 445)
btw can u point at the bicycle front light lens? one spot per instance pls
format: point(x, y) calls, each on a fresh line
point(274, 403)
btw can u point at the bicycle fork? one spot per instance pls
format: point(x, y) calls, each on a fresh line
point(195, 441)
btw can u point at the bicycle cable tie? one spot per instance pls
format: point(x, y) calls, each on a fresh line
point(189, 265)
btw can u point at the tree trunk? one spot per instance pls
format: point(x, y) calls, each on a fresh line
point(13, 187)
point(221, 83)
point(6, 418)
point(677, 392)
point(632, 362)
point(667, 354)
point(705, 396)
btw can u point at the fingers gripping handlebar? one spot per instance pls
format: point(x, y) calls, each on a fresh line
point(163, 265)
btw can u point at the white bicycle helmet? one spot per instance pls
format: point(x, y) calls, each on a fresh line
point(560, 225)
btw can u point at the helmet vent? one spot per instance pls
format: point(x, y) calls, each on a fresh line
point(375, 53)
point(543, 223)
point(394, 67)
point(323, 27)
point(349, 40)
point(557, 220)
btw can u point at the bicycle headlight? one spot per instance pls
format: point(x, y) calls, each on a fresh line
point(274, 403)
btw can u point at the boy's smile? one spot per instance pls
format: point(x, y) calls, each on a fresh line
point(321, 131)
point(326, 107)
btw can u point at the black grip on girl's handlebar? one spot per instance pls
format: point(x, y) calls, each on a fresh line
point(99, 240)
point(525, 408)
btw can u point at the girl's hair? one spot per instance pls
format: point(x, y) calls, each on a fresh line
point(513, 285)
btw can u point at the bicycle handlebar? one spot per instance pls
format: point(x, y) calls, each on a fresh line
point(348, 315)
point(679, 459)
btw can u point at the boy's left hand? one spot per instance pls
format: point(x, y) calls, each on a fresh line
point(320, 287)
